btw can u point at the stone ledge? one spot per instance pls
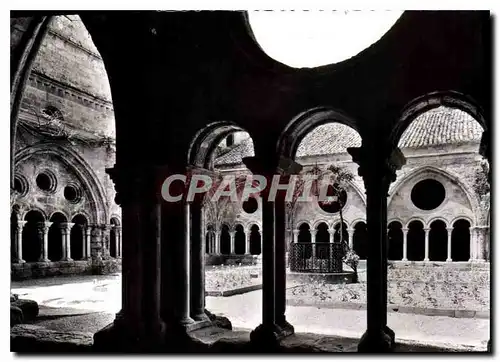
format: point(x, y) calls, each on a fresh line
point(32, 338)
point(230, 292)
point(395, 308)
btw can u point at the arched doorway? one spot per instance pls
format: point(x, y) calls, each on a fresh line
point(33, 236)
point(460, 241)
point(56, 237)
point(304, 239)
point(395, 241)
point(239, 240)
point(77, 238)
point(360, 238)
point(416, 241)
point(255, 241)
point(438, 241)
point(225, 240)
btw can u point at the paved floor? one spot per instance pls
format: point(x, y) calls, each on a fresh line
point(79, 294)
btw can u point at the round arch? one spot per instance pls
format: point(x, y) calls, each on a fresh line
point(353, 223)
point(60, 212)
point(432, 100)
point(28, 210)
point(412, 219)
point(435, 218)
point(320, 221)
point(300, 223)
point(461, 217)
point(78, 167)
point(205, 141)
point(304, 123)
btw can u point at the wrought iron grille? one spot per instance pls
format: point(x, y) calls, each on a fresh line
point(316, 257)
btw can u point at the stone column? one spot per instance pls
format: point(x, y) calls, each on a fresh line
point(106, 239)
point(405, 243)
point(65, 229)
point(313, 242)
point(118, 240)
point(296, 235)
point(197, 261)
point(448, 255)
point(247, 242)
point(19, 241)
point(43, 234)
point(377, 166)
point(274, 325)
point(217, 242)
point(88, 253)
point(183, 293)
point(138, 326)
point(426, 257)
point(231, 235)
point(350, 233)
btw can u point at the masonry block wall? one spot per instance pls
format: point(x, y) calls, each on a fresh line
point(67, 130)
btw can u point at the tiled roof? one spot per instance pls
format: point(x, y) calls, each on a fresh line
point(441, 126)
point(235, 155)
point(435, 127)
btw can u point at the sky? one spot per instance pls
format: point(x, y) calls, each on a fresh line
point(314, 38)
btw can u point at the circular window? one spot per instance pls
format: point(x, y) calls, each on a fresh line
point(250, 206)
point(46, 181)
point(72, 194)
point(428, 194)
point(20, 185)
point(332, 207)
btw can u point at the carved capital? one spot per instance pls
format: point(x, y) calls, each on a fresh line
point(20, 225)
point(65, 227)
point(376, 166)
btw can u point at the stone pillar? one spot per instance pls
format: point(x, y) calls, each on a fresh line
point(448, 250)
point(118, 241)
point(274, 324)
point(247, 242)
point(138, 326)
point(88, 253)
point(106, 239)
point(426, 257)
point(350, 233)
point(96, 247)
point(377, 166)
point(405, 243)
point(19, 241)
point(65, 228)
point(313, 242)
point(197, 262)
point(43, 234)
point(296, 235)
point(183, 293)
point(231, 235)
point(217, 242)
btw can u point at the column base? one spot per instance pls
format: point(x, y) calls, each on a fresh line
point(404, 259)
point(375, 342)
point(119, 337)
point(19, 261)
point(449, 260)
point(426, 259)
point(44, 260)
point(67, 259)
point(391, 334)
point(286, 328)
point(200, 317)
point(267, 337)
point(186, 321)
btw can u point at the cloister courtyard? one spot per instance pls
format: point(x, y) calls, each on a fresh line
point(419, 312)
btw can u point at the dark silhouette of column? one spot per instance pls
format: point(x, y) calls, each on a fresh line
point(378, 170)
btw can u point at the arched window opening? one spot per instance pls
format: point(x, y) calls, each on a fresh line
point(225, 240)
point(360, 239)
point(322, 241)
point(33, 236)
point(56, 239)
point(13, 237)
point(255, 240)
point(239, 240)
point(395, 241)
point(460, 241)
point(210, 240)
point(114, 238)
point(336, 235)
point(438, 241)
point(77, 237)
point(416, 241)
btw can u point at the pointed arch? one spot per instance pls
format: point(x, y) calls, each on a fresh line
point(71, 159)
point(473, 201)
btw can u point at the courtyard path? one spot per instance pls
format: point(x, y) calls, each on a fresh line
point(103, 294)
